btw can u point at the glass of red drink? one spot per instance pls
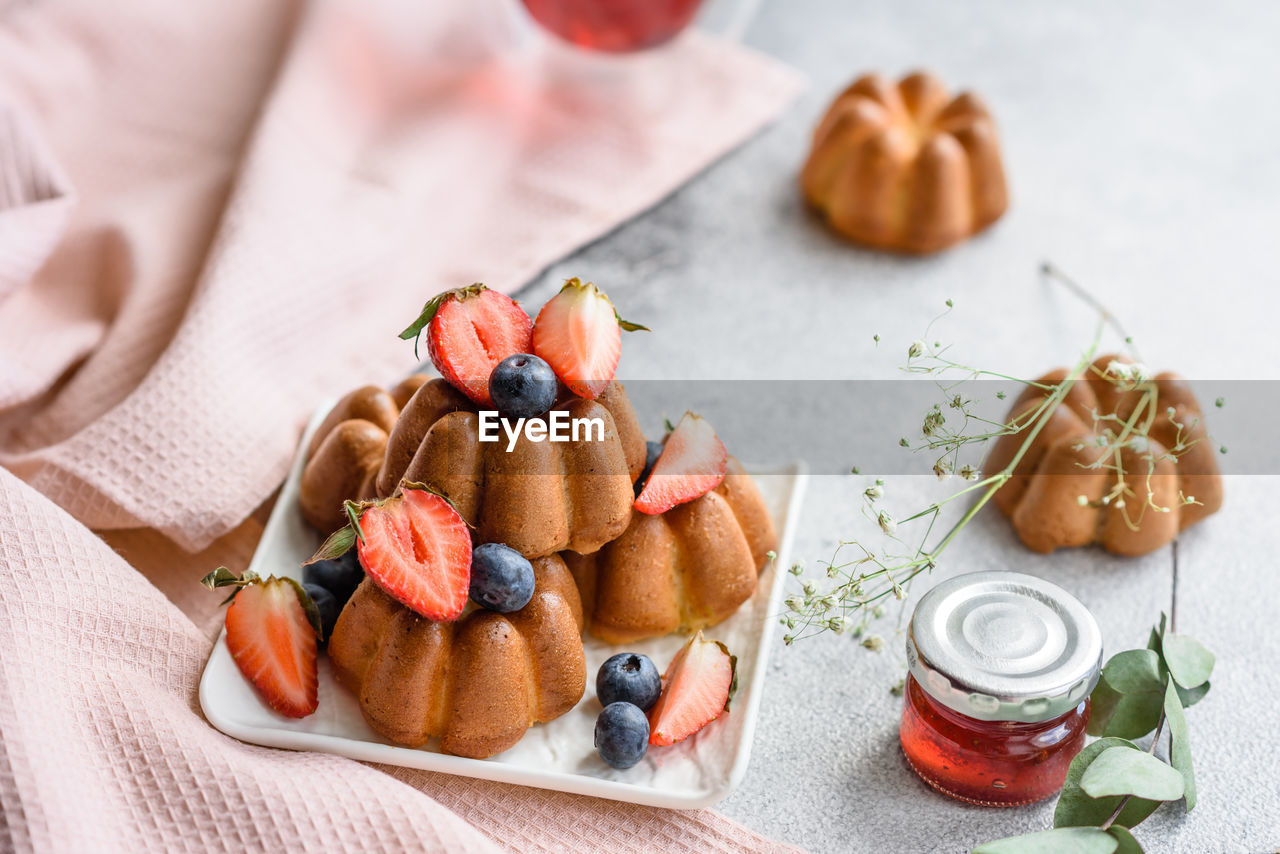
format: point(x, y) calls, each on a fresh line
point(614, 26)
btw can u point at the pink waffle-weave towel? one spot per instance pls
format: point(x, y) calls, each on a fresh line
point(213, 214)
point(268, 192)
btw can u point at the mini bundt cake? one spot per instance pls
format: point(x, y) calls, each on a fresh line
point(682, 570)
point(538, 498)
point(345, 453)
point(1066, 461)
point(477, 683)
point(906, 167)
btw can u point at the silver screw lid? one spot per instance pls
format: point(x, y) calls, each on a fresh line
point(1004, 646)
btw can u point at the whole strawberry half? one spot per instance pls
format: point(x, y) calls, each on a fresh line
point(696, 690)
point(271, 634)
point(469, 331)
point(692, 463)
point(579, 334)
point(416, 547)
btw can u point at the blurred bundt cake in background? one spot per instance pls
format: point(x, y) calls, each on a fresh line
point(1066, 489)
point(906, 167)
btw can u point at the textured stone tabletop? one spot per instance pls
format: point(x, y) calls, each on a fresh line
point(1141, 146)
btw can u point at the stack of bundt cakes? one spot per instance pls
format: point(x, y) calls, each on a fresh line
point(567, 508)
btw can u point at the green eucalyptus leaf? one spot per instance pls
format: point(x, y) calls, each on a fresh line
point(1124, 715)
point(1157, 634)
point(1188, 661)
point(1134, 671)
point(1076, 809)
point(1124, 771)
point(1191, 696)
point(1127, 844)
point(1060, 840)
point(1179, 744)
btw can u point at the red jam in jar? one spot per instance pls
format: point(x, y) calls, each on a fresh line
point(996, 701)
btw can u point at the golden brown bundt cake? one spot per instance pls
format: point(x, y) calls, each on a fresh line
point(538, 498)
point(345, 453)
point(906, 167)
point(477, 683)
point(681, 570)
point(1066, 461)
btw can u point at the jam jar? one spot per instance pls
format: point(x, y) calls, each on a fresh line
point(997, 697)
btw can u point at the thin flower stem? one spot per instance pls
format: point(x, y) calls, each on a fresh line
point(1051, 270)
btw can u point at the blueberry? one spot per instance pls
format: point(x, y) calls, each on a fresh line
point(622, 735)
point(652, 450)
point(501, 578)
point(523, 386)
point(629, 678)
point(340, 576)
point(327, 605)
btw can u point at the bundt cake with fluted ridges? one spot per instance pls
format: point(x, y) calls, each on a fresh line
point(682, 570)
point(906, 167)
point(477, 683)
point(1064, 492)
point(346, 451)
point(538, 497)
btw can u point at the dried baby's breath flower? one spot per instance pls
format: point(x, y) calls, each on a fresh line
point(875, 643)
point(858, 582)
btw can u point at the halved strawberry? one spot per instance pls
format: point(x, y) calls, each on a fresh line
point(579, 334)
point(416, 547)
point(469, 331)
point(696, 689)
point(271, 633)
point(692, 463)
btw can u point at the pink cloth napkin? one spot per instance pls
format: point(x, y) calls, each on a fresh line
point(268, 194)
point(212, 215)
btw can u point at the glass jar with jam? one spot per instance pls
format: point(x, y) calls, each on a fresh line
point(997, 697)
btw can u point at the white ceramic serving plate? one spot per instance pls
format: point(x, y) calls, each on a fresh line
point(559, 755)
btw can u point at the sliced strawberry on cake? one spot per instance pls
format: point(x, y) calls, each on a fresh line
point(696, 689)
point(579, 334)
point(417, 548)
point(469, 331)
point(272, 626)
point(692, 463)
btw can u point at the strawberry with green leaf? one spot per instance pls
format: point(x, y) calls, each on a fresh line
point(693, 462)
point(469, 331)
point(272, 627)
point(696, 689)
point(414, 545)
point(579, 334)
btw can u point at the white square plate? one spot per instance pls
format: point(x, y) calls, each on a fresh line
point(559, 755)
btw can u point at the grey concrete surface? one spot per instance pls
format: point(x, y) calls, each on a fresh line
point(1141, 145)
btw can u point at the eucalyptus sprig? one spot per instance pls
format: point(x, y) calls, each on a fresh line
point(1113, 784)
point(860, 579)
